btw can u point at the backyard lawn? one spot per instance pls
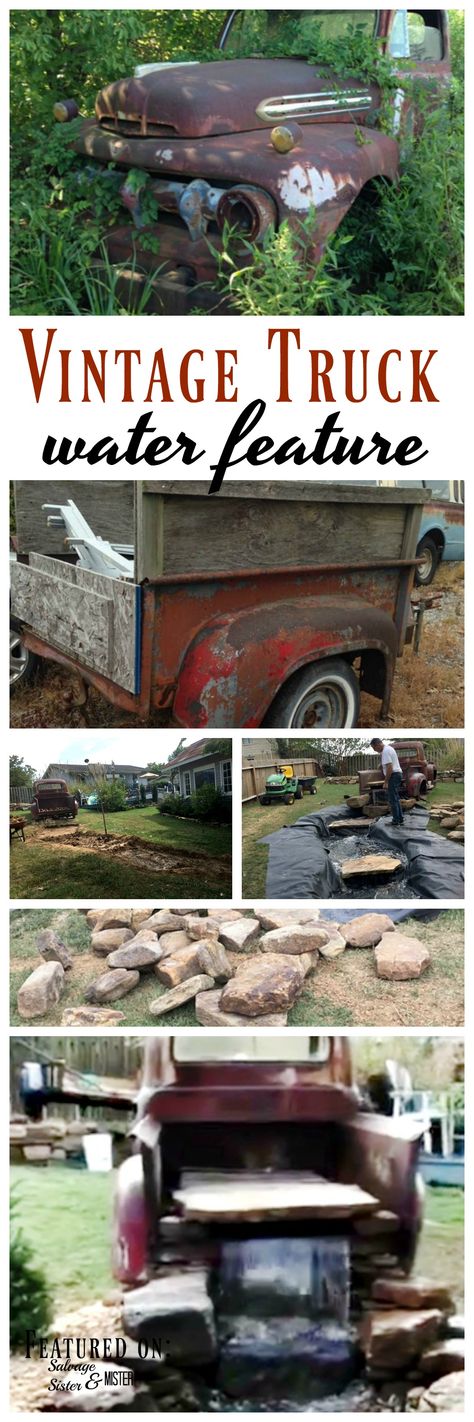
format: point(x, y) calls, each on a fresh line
point(259, 820)
point(165, 858)
point(77, 1261)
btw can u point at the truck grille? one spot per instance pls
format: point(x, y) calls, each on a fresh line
point(140, 127)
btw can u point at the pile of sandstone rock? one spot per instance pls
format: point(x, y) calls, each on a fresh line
point(42, 1142)
point(236, 966)
point(451, 819)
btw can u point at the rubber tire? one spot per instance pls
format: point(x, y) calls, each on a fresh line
point(288, 799)
point(264, 800)
point(31, 667)
point(316, 674)
point(299, 793)
point(427, 545)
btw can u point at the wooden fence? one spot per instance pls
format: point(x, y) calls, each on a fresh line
point(21, 794)
point(98, 1056)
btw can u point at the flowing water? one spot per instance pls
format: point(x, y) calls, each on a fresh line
point(355, 846)
point(282, 1310)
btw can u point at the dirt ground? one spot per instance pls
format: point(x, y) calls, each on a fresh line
point(428, 689)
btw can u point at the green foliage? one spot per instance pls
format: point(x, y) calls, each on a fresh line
point(30, 1300)
point(207, 804)
point(20, 773)
point(111, 794)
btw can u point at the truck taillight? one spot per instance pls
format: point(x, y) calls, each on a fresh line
point(249, 210)
point(65, 110)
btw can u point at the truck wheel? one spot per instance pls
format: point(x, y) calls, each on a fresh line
point(322, 695)
point(23, 663)
point(431, 555)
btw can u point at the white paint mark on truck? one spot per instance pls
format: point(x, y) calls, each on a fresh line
point(305, 187)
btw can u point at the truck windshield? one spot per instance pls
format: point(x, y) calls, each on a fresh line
point(269, 33)
point(242, 1048)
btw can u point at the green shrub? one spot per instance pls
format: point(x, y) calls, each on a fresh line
point(207, 804)
point(112, 795)
point(30, 1301)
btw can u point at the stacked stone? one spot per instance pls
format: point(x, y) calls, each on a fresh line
point(43, 1142)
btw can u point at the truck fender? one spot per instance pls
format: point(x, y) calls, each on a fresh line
point(130, 1229)
point(417, 784)
point(235, 665)
point(329, 170)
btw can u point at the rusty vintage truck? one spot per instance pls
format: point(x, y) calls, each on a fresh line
point(262, 136)
point(52, 800)
point(419, 774)
point(273, 604)
point(259, 1167)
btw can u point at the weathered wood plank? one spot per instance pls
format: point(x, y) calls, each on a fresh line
point(199, 537)
point(51, 596)
point(297, 490)
point(69, 618)
point(106, 504)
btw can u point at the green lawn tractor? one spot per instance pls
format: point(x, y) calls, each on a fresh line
point(286, 787)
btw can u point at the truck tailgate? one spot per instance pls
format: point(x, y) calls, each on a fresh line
point(92, 617)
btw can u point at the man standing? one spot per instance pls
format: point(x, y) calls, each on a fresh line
point(392, 771)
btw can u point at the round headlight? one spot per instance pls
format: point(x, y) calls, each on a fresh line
point(247, 209)
point(65, 110)
point(285, 136)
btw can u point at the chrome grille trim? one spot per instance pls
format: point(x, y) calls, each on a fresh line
point(317, 104)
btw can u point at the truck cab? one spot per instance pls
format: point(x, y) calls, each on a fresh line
point(266, 132)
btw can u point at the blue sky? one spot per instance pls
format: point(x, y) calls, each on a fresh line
point(39, 748)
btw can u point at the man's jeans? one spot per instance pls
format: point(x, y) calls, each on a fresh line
point(394, 796)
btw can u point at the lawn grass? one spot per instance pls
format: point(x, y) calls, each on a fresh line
point(163, 830)
point(42, 869)
point(77, 1261)
point(259, 820)
point(440, 1253)
point(66, 1213)
point(74, 931)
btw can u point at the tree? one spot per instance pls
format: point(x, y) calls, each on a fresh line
point(179, 748)
point(20, 773)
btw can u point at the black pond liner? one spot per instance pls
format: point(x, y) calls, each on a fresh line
point(303, 859)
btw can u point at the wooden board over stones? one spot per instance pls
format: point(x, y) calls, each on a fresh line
point(257, 1196)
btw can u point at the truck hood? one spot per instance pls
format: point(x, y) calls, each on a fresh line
point(229, 96)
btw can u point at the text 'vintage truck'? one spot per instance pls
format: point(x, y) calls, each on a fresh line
point(272, 604)
point(267, 134)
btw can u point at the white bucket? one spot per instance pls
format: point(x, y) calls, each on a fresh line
point(98, 1151)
